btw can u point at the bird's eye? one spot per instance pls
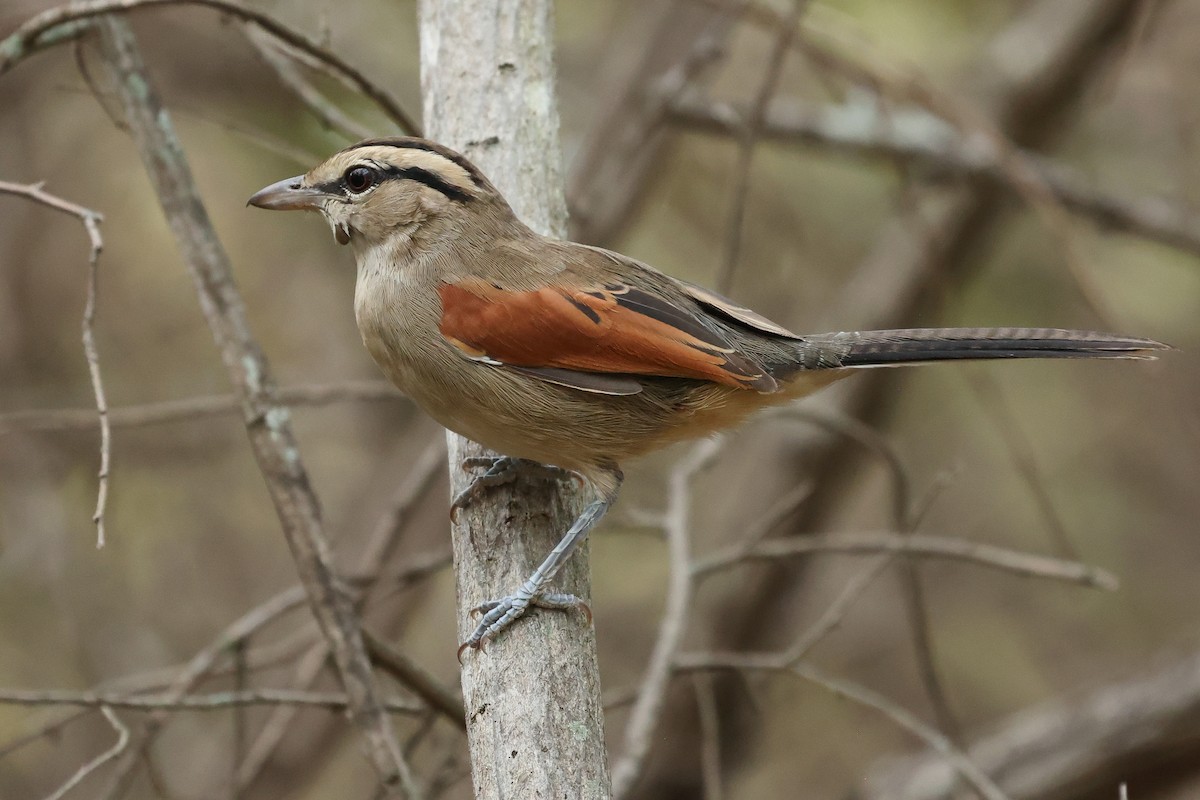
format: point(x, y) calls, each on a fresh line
point(359, 179)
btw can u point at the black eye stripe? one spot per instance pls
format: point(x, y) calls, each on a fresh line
point(430, 179)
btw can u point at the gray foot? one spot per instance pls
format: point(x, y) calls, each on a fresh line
point(499, 614)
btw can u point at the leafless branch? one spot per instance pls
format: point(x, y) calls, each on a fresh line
point(652, 695)
point(772, 662)
point(173, 701)
point(1026, 564)
point(990, 394)
point(415, 677)
point(100, 760)
point(266, 420)
point(36, 32)
point(748, 133)
point(91, 223)
point(329, 115)
point(193, 408)
point(710, 735)
point(860, 129)
point(1073, 746)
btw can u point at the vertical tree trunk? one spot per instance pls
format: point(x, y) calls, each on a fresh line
point(534, 719)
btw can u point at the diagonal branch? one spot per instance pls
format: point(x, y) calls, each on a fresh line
point(267, 422)
point(43, 29)
point(91, 222)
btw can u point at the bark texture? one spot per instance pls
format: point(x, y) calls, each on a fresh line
point(534, 720)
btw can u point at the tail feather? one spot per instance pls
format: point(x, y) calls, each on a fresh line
point(884, 348)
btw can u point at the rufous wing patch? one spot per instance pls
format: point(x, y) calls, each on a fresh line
point(613, 328)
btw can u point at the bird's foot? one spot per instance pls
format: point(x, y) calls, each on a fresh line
point(499, 614)
point(502, 470)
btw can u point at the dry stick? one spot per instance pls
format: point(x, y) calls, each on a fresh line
point(897, 277)
point(748, 137)
point(216, 701)
point(868, 542)
point(329, 115)
point(989, 393)
point(193, 408)
point(267, 422)
point(100, 760)
point(1076, 745)
point(412, 675)
point(380, 545)
point(652, 694)
point(624, 150)
point(535, 726)
point(904, 520)
point(926, 140)
point(91, 223)
point(907, 82)
point(774, 662)
point(33, 34)
point(200, 665)
point(710, 735)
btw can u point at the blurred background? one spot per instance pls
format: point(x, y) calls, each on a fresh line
point(952, 162)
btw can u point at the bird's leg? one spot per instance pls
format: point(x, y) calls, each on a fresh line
point(499, 614)
point(502, 470)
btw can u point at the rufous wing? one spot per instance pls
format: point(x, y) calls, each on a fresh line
point(592, 338)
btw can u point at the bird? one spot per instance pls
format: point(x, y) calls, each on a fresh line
point(570, 358)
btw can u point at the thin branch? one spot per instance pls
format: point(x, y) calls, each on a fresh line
point(415, 677)
point(267, 422)
point(861, 543)
point(91, 223)
point(710, 735)
point(833, 615)
point(38, 30)
point(652, 695)
point(773, 662)
point(1077, 745)
point(990, 394)
point(216, 701)
point(861, 130)
point(100, 760)
point(329, 115)
point(193, 408)
point(748, 137)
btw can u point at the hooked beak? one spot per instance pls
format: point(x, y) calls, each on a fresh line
point(287, 195)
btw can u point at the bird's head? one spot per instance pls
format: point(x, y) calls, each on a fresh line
point(378, 187)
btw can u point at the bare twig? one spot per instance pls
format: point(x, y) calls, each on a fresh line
point(1026, 564)
point(194, 408)
point(772, 662)
point(284, 68)
point(989, 393)
point(622, 152)
point(652, 695)
point(748, 137)
point(836, 611)
point(919, 137)
point(100, 760)
point(384, 539)
point(710, 735)
point(266, 420)
point(415, 677)
point(37, 31)
point(91, 222)
point(174, 701)
point(1077, 745)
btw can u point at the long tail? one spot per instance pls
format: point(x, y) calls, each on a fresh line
point(886, 348)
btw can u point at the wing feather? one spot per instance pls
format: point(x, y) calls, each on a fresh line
point(610, 329)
